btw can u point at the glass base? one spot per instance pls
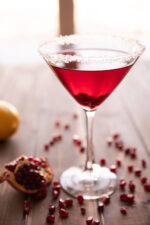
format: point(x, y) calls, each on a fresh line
point(94, 184)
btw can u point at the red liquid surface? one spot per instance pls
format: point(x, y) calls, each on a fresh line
point(92, 82)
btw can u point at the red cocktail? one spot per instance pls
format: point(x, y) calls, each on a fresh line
point(90, 68)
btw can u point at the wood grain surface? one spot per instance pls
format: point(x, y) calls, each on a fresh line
point(41, 100)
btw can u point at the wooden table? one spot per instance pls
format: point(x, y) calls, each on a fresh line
point(41, 100)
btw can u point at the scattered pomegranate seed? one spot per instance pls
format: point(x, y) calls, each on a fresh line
point(133, 155)
point(131, 186)
point(130, 198)
point(61, 203)
point(123, 210)
point(68, 202)
point(80, 199)
point(119, 145)
point(63, 213)
point(113, 168)
point(82, 149)
point(100, 206)
point(123, 197)
point(127, 151)
point(83, 210)
point(27, 207)
point(55, 183)
point(89, 220)
point(130, 168)
point(56, 187)
point(96, 222)
point(122, 184)
point(77, 140)
point(51, 143)
point(50, 219)
point(116, 135)
point(52, 209)
point(66, 126)
point(109, 141)
point(118, 162)
point(55, 194)
point(137, 172)
point(147, 187)
point(106, 200)
point(57, 123)
point(102, 162)
point(46, 147)
point(143, 162)
point(75, 115)
point(143, 180)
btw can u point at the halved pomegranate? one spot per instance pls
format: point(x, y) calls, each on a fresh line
point(28, 174)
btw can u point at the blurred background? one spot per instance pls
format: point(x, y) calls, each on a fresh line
point(24, 23)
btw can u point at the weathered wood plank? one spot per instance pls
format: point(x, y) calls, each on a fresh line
point(41, 100)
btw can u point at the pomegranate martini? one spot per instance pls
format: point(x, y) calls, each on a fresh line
point(90, 68)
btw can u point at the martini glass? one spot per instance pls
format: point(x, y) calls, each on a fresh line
point(90, 68)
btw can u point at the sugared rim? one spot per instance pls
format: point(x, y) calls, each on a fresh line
point(53, 57)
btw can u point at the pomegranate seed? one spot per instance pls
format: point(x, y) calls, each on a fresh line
point(89, 220)
point(143, 180)
point(55, 183)
point(26, 207)
point(106, 200)
point(41, 194)
point(83, 211)
point(102, 162)
point(55, 194)
point(68, 202)
point(131, 186)
point(80, 199)
point(61, 203)
point(143, 162)
point(147, 187)
point(46, 147)
point(100, 206)
point(123, 210)
point(138, 172)
point(130, 168)
point(118, 162)
point(96, 222)
point(122, 184)
point(63, 213)
point(130, 198)
point(113, 169)
point(77, 140)
point(82, 149)
point(50, 219)
point(66, 126)
point(109, 141)
point(133, 155)
point(127, 151)
point(52, 209)
point(57, 123)
point(123, 197)
point(57, 187)
point(75, 115)
point(119, 145)
point(26, 210)
point(116, 135)
point(51, 143)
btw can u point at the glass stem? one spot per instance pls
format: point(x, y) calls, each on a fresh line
point(89, 151)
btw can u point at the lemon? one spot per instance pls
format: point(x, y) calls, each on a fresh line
point(9, 119)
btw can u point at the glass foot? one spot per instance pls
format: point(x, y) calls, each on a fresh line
point(94, 184)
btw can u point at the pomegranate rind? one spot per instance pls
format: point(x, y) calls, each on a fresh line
point(44, 170)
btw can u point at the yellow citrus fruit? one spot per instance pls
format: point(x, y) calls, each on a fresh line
point(9, 119)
